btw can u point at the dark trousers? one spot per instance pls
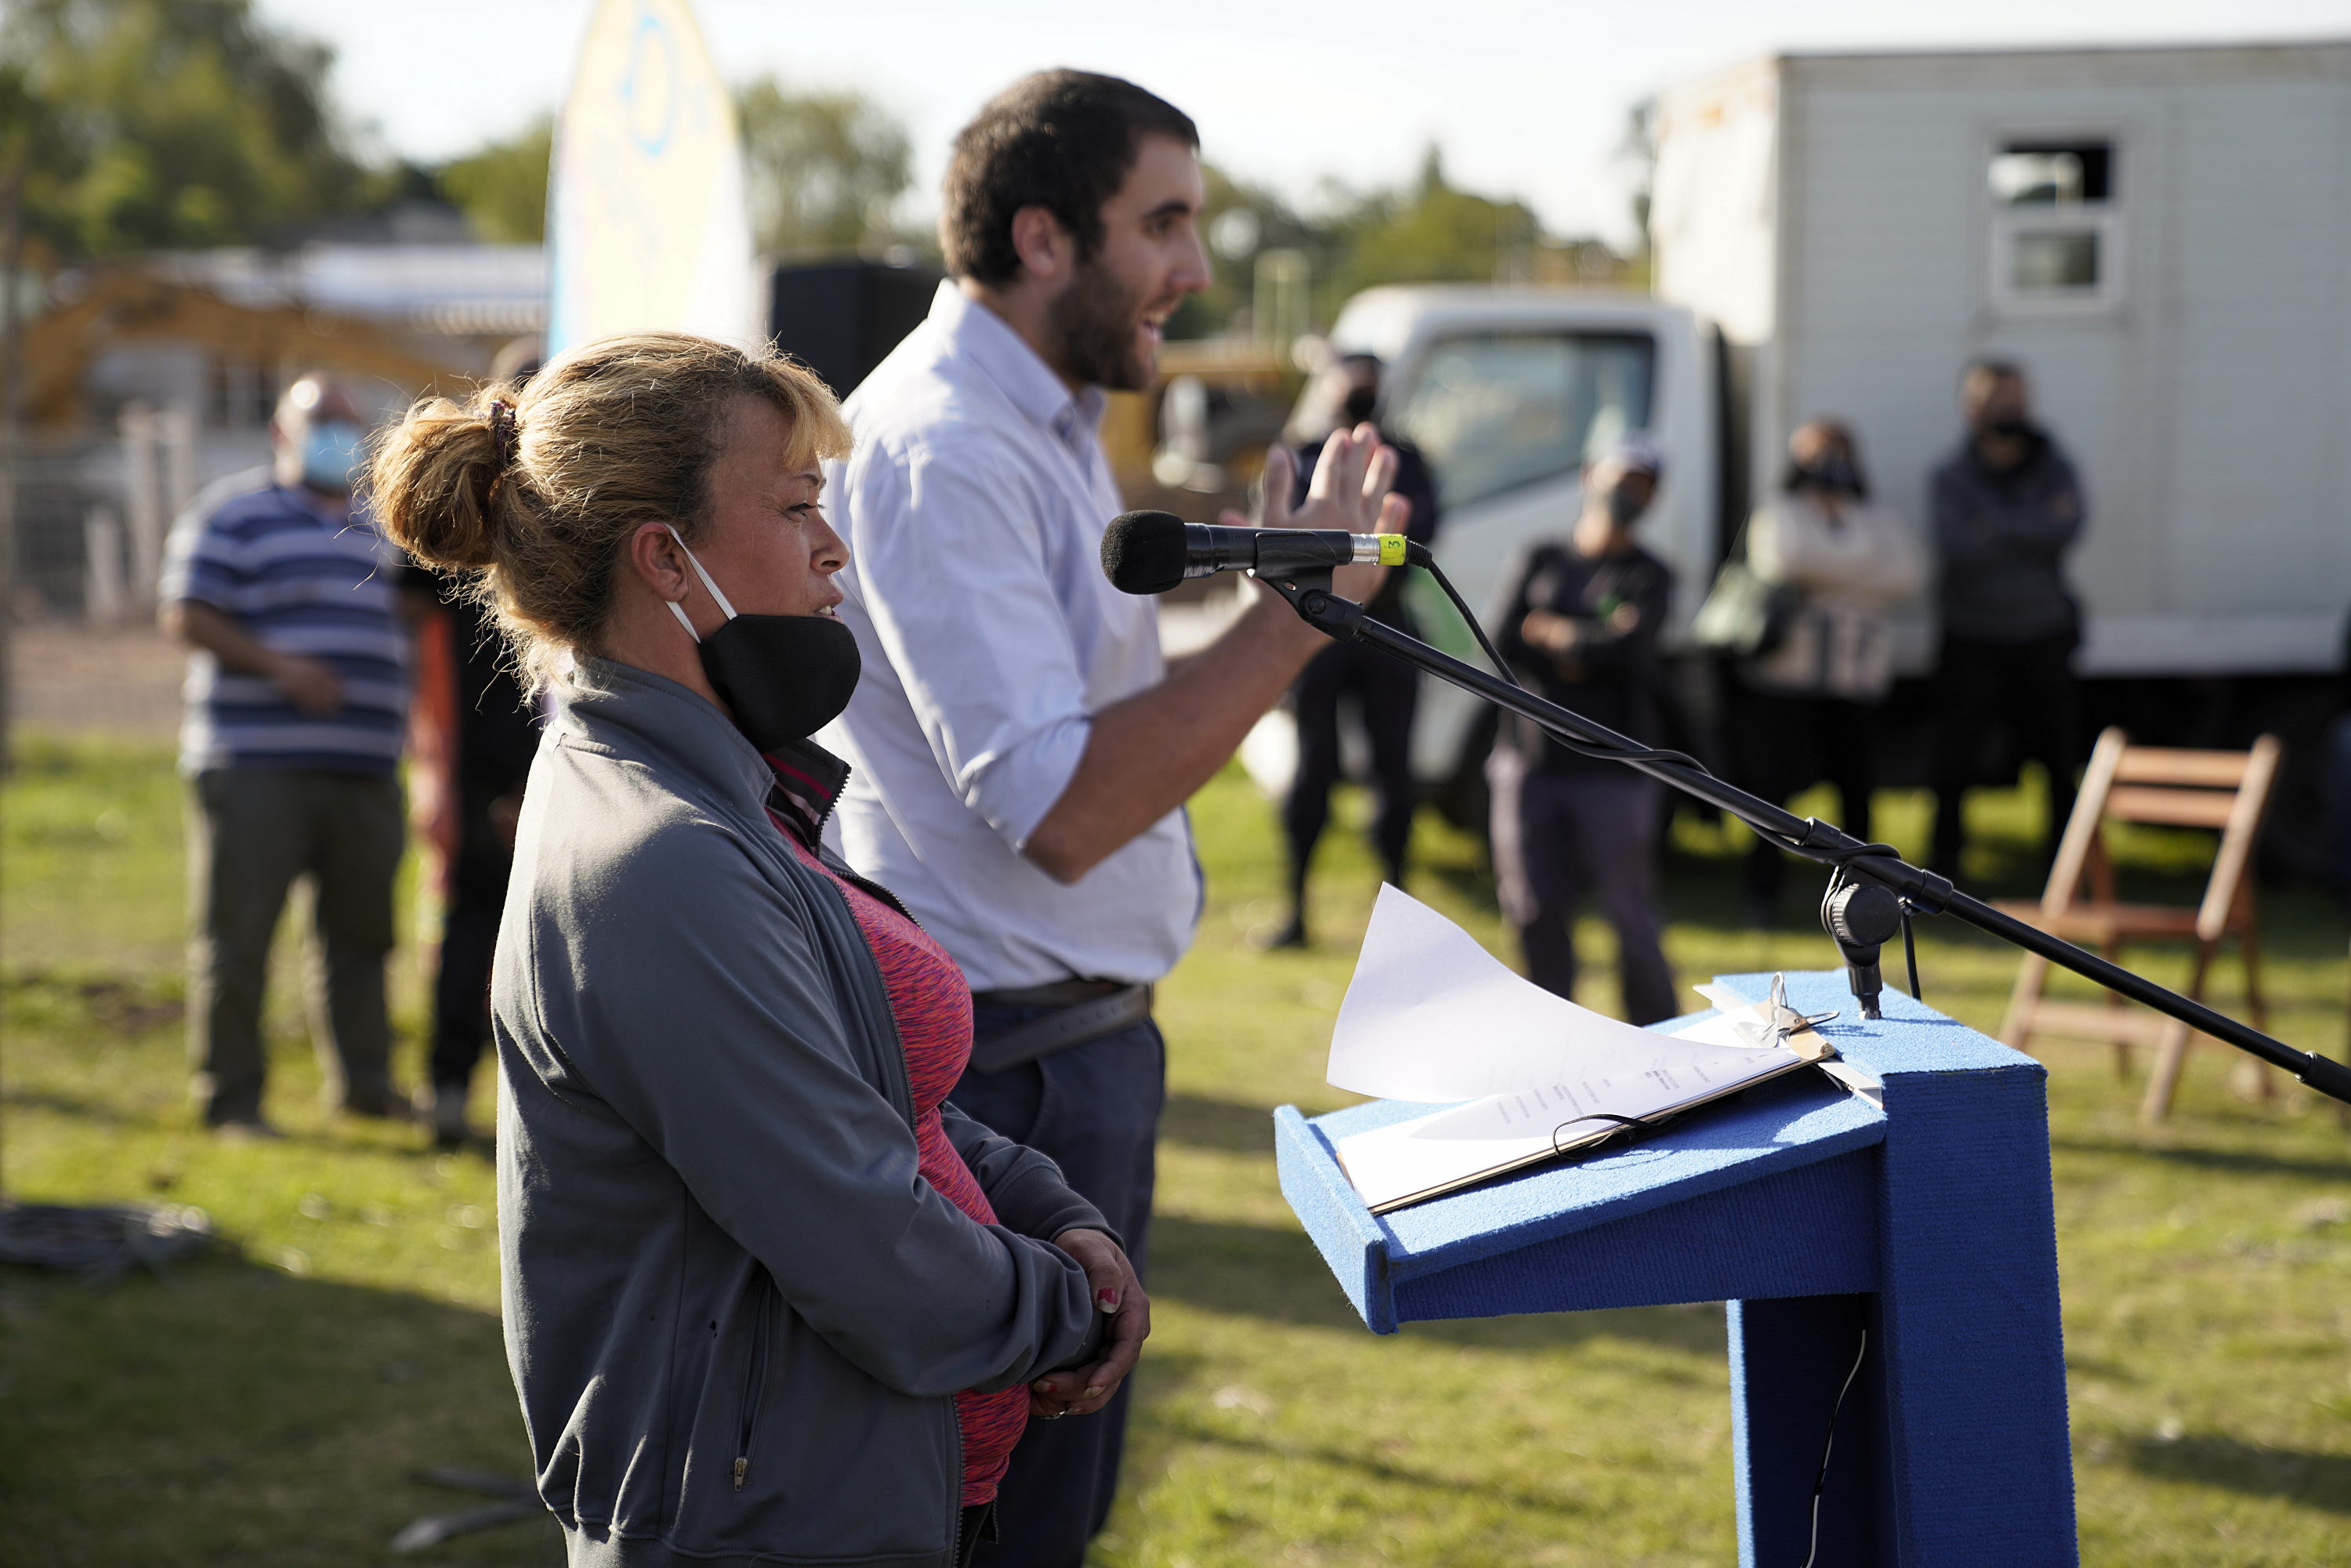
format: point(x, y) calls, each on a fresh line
point(2336, 783)
point(2027, 686)
point(255, 831)
point(1384, 690)
point(1788, 743)
point(460, 993)
point(469, 939)
point(1095, 1109)
point(1558, 834)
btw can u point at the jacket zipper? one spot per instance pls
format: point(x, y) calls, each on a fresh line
point(754, 1382)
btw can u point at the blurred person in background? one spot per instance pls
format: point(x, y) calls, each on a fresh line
point(2007, 507)
point(2335, 780)
point(1579, 619)
point(769, 1298)
point(296, 700)
point(1383, 688)
point(1022, 755)
point(483, 728)
point(1808, 709)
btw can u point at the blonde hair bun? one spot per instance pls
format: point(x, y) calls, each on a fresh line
point(540, 503)
point(433, 479)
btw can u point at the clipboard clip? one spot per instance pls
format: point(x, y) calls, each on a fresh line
point(1778, 1023)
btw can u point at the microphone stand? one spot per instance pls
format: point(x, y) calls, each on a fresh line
point(1889, 886)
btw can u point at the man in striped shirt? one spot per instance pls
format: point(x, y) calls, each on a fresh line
point(297, 704)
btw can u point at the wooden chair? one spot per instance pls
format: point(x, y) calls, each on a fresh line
point(2224, 790)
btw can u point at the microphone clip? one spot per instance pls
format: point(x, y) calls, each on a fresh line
point(1861, 917)
point(1309, 593)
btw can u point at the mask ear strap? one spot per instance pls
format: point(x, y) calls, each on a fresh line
point(679, 610)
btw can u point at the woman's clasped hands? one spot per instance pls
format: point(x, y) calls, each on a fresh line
point(1117, 1292)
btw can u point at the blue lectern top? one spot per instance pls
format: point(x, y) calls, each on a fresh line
point(1750, 1199)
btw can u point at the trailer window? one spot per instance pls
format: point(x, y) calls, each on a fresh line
point(2027, 176)
point(2055, 225)
point(1496, 411)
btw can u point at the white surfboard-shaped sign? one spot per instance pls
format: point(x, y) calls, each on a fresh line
point(647, 223)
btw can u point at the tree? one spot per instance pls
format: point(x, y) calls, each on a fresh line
point(1434, 232)
point(174, 123)
point(825, 168)
point(502, 187)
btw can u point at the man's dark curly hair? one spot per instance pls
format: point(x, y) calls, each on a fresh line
point(1061, 140)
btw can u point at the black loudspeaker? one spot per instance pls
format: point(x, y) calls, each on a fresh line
point(840, 318)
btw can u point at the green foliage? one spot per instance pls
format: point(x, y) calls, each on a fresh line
point(271, 1405)
point(502, 187)
point(825, 168)
point(1434, 232)
point(172, 123)
point(1428, 231)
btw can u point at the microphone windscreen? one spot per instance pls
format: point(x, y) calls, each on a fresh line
point(1144, 552)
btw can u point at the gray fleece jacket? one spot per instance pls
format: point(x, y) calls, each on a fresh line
point(736, 1314)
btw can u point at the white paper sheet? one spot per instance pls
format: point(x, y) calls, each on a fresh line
point(1431, 1015)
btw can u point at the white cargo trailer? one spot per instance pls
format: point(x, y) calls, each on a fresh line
point(2161, 237)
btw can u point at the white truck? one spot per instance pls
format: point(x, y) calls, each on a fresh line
point(2161, 237)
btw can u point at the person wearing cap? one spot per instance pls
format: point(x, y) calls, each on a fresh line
point(1578, 619)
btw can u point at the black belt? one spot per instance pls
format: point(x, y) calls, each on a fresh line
point(1082, 1011)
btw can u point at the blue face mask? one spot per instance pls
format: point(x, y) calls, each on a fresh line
point(330, 450)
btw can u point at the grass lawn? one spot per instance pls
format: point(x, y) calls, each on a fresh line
point(269, 1406)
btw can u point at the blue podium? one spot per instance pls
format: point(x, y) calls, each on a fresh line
point(1816, 1214)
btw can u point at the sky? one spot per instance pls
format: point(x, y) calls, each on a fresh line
point(1527, 98)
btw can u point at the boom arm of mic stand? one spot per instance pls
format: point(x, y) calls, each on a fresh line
point(1923, 890)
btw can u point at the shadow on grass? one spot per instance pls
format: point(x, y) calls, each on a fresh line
point(232, 1413)
point(1163, 1377)
point(1257, 1271)
point(1208, 1124)
point(2241, 1162)
point(1380, 1472)
point(2313, 1480)
point(82, 1107)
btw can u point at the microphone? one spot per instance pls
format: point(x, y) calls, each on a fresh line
point(1150, 552)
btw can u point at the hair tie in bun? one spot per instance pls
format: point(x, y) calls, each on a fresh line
point(502, 432)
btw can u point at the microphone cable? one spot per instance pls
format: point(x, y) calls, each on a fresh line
point(1422, 558)
point(1821, 1479)
point(1581, 748)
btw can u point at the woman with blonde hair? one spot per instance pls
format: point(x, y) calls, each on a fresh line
point(766, 1297)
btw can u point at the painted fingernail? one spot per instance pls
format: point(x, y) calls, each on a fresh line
point(1040, 1387)
point(1091, 1393)
point(1106, 1299)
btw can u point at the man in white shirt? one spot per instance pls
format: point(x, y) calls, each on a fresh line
point(1022, 756)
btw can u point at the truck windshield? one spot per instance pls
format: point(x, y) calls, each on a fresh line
point(1495, 411)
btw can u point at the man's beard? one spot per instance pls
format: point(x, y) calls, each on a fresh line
point(1091, 326)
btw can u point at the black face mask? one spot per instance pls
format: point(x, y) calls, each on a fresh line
point(1625, 508)
point(1832, 473)
point(1357, 409)
point(784, 677)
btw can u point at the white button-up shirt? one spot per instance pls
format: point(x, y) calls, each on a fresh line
point(974, 503)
